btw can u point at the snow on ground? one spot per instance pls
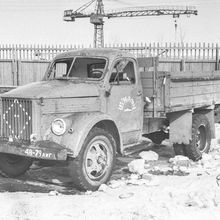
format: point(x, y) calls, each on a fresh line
point(190, 196)
point(176, 197)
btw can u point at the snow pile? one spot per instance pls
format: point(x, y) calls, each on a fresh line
point(178, 165)
point(103, 188)
point(137, 166)
point(149, 155)
point(180, 160)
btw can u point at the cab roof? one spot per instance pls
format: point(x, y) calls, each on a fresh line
point(96, 52)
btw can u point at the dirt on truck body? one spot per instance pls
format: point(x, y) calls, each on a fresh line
point(95, 103)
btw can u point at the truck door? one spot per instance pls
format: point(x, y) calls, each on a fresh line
point(124, 103)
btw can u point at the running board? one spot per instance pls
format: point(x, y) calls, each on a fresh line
point(145, 144)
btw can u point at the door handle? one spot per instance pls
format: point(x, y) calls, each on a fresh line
point(139, 93)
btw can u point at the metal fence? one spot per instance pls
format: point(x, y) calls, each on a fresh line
point(196, 51)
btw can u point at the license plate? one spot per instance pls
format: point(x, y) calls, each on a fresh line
point(38, 153)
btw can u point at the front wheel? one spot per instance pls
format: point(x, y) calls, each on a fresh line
point(201, 137)
point(94, 164)
point(12, 165)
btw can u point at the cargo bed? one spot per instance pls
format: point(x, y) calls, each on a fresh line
point(178, 90)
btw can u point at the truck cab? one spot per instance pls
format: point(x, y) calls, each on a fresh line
point(87, 108)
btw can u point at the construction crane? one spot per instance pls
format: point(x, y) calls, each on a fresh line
point(98, 15)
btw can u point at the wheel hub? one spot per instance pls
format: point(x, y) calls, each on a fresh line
point(101, 160)
point(201, 140)
point(96, 161)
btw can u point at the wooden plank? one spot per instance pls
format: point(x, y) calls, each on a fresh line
point(208, 66)
point(217, 58)
point(204, 98)
point(147, 61)
point(169, 66)
point(147, 92)
point(31, 72)
point(180, 84)
point(204, 89)
point(194, 76)
point(180, 101)
point(191, 100)
point(190, 66)
point(181, 92)
point(146, 75)
point(193, 92)
point(193, 84)
point(146, 83)
point(6, 73)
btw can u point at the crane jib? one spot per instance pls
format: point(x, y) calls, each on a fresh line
point(97, 15)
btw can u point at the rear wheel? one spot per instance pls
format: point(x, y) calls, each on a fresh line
point(201, 137)
point(94, 164)
point(13, 165)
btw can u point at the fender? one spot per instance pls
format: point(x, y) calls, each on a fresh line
point(78, 127)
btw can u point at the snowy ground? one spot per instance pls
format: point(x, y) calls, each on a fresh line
point(45, 193)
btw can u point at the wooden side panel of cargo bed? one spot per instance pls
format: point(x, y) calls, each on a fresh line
point(193, 89)
point(148, 86)
point(147, 83)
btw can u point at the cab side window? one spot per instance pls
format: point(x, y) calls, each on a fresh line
point(123, 72)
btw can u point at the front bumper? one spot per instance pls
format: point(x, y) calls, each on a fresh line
point(46, 150)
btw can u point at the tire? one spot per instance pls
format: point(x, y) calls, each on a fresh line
point(94, 164)
point(201, 137)
point(13, 165)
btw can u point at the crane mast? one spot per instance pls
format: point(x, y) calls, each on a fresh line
point(97, 17)
point(97, 20)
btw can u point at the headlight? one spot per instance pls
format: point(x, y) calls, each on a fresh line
point(58, 126)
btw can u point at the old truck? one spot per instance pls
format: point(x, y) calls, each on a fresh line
point(95, 103)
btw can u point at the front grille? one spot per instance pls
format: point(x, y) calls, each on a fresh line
point(16, 118)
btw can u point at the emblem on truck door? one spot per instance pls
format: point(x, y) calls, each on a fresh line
point(127, 104)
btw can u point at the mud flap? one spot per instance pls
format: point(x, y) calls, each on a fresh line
point(181, 127)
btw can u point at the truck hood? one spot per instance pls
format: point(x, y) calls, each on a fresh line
point(54, 89)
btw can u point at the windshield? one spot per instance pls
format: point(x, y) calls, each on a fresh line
point(79, 67)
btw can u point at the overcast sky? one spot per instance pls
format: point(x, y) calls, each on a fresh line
point(40, 22)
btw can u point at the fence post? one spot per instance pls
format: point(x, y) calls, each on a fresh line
point(182, 65)
point(217, 58)
point(19, 72)
point(14, 65)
